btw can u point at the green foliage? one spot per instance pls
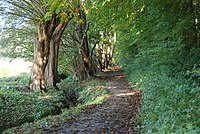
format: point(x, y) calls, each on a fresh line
point(109, 15)
point(62, 9)
point(160, 51)
point(87, 92)
point(69, 50)
point(23, 17)
point(93, 93)
point(15, 82)
point(40, 126)
point(158, 45)
point(19, 106)
point(170, 104)
point(17, 42)
point(28, 107)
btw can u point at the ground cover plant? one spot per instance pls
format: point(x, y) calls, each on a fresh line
point(28, 107)
point(170, 104)
point(157, 43)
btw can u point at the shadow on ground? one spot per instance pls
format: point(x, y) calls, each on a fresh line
point(116, 115)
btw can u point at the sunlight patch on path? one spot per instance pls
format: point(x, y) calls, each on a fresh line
point(117, 114)
point(128, 94)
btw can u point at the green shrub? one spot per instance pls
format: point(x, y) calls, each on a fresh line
point(18, 107)
point(29, 107)
point(170, 104)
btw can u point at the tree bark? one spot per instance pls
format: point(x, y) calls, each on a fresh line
point(113, 48)
point(84, 48)
point(51, 77)
point(44, 70)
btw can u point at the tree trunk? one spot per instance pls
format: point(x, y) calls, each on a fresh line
point(44, 70)
point(113, 48)
point(84, 48)
point(40, 59)
point(51, 74)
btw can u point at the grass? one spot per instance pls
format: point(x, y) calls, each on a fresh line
point(15, 67)
point(23, 112)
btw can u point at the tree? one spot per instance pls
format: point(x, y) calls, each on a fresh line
point(106, 19)
point(76, 40)
point(16, 42)
point(44, 71)
point(87, 69)
point(104, 49)
point(51, 19)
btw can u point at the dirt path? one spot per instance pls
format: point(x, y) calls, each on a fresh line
point(115, 115)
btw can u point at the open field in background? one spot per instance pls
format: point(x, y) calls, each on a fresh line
point(15, 67)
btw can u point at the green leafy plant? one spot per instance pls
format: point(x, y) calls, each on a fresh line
point(39, 109)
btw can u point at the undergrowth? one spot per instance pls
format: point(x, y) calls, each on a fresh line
point(16, 82)
point(19, 106)
point(170, 104)
point(38, 112)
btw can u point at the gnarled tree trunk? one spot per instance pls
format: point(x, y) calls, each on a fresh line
point(44, 70)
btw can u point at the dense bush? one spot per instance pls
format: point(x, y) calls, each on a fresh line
point(170, 104)
point(170, 89)
point(160, 51)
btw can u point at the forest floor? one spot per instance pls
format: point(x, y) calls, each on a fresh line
point(116, 115)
